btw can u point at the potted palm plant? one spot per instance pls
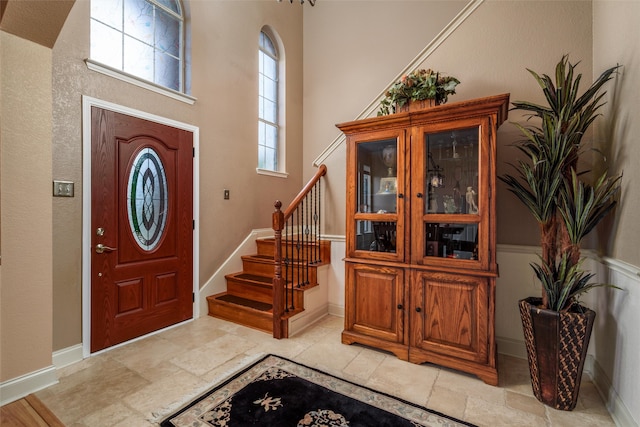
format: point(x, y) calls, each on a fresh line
point(567, 206)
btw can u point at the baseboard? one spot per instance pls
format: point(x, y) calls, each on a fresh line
point(512, 347)
point(616, 407)
point(19, 387)
point(67, 356)
point(307, 318)
point(336, 310)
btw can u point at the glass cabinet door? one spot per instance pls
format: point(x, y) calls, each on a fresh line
point(448, 165)
point(451, 169)
point(378, 185)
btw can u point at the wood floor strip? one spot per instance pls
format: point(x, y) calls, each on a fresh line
point(28, 412)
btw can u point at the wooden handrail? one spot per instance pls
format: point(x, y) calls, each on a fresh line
point(283, 286)
point(322, 171)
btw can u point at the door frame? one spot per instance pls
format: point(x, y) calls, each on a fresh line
point(87, 103)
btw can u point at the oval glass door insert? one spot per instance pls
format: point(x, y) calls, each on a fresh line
point(147, 199)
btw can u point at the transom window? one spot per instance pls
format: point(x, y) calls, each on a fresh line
point(140, 37)
point(268, 104)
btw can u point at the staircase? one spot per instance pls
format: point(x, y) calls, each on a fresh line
point(248, 299)
point(269, 291)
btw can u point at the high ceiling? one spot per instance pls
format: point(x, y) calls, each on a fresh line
point(39, 21)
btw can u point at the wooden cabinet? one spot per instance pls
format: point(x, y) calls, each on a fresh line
point(420, 234)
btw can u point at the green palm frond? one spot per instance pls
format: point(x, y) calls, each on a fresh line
point(548, 184)
point(584, 206)
point(563, 282)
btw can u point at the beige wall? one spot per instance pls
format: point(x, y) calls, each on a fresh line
point(26, 285)
point(346, 67)
point(617, 41)
point(489, 53)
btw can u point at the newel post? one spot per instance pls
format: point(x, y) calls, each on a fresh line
point(278, 287)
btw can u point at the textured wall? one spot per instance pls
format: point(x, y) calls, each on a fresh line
point(224, 40)
point(26, 292)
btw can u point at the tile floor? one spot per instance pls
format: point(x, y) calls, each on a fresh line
point(138, 383)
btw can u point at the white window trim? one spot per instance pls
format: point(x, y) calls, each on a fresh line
point(269, 172)
point(137, 81)
point(281, 172)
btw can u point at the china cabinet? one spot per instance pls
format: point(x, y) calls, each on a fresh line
point(421, 234)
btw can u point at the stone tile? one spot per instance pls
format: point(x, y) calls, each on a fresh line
point(590, 400)
point(513, 374)
point(404, 380)
point(109, 415)
point(524, 403)
point(91, 389)
point(485, 413)
point(231, 367)
point(201, 360)
point(193, 334)
point(447, 402)
point(329, 355)
point(578, 417)
point(136, 421)
point(140, 383)
point(157, 399)
point(142, 356)
point(470, 385)
point(364, 365)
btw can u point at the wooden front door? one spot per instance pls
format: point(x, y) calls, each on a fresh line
point(141, 225)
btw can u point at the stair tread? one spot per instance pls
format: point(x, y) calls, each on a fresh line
point(235, 299)
point(261, 256)
point(253, 277)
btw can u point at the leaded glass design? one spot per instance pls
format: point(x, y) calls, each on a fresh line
point(147, 199)
point(267, 104)
point(140, 37)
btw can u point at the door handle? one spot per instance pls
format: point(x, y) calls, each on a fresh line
point(100, 248)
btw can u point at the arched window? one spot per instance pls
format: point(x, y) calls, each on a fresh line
point(144, 38)
point(268, 105)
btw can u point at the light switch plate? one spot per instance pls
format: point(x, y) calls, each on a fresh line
point(62, 188)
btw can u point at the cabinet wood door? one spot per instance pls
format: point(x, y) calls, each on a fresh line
point(375, 195)
point(449, 316)
point(450, 197)
point(375, 301)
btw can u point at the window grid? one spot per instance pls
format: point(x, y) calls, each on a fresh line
point(158, 60)
point(268, 128)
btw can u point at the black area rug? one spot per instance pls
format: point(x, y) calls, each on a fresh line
point(275, 391)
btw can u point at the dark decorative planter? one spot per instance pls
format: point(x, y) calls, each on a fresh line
point(556, 347)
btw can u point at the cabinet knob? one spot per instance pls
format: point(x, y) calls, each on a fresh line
point(419, 195)
point(400, 196)
point(400, 307)
point(418, 309)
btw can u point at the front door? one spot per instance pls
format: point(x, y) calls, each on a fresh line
point(141, 225)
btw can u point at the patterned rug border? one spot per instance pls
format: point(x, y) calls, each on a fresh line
point(165, 420)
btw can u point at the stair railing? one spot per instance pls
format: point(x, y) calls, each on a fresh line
point(297, 245)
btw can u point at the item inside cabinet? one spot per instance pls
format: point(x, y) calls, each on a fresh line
point(385, 237)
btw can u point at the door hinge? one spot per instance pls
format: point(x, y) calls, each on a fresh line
point(194, 152)
point(193, 297)
point(194, 224)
